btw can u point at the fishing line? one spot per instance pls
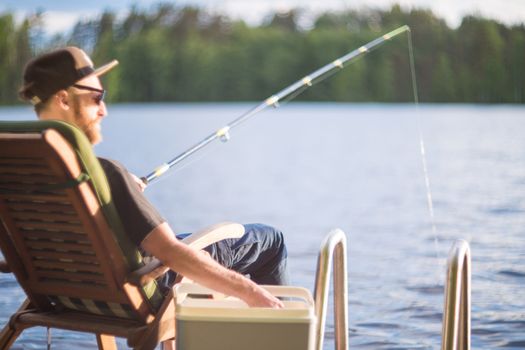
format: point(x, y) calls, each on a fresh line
point(430, 202)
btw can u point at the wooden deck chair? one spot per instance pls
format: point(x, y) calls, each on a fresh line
point(62, 238)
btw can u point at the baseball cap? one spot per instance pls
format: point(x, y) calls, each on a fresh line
point(51, 72)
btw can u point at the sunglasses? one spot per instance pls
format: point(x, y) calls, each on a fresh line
point(99, 98)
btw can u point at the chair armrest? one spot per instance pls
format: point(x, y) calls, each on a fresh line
point(197, 240)
point(214, 233)
point(147, 273)
point(4, 267)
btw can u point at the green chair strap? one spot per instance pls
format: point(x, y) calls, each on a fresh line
point(83, 177)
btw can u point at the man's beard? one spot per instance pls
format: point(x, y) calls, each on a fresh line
point(89, 127)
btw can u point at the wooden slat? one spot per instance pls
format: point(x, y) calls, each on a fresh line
point(35, 161)
point(67, 236)
point(106, 342)
point(40, 207)
point(72, 277)
point(54, 199)
point(8, 169)
point(58, 226)
point(88, 290)
point(58, 245)
point(25, 215)
point(23, 187)
point(29, 178)
point(56, 265)
point(83, 258)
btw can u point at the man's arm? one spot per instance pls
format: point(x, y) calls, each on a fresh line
point(161, 243)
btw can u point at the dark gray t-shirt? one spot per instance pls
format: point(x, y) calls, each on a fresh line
point(136, 212)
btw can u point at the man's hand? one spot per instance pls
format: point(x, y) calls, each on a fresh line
point(260, 297)
point(139, 182)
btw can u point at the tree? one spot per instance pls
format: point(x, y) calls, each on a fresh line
point(171, 53)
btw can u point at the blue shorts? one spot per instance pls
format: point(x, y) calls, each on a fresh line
point(259, 253)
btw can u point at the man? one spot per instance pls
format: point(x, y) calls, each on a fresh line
point(63, 85)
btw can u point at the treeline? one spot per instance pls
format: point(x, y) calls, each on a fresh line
point(174, 53)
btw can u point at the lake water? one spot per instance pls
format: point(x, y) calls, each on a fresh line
point(308, 168)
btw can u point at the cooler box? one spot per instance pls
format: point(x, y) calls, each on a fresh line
point(227, 323)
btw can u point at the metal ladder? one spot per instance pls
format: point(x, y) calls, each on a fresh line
point(332, 248)
point(456, 315)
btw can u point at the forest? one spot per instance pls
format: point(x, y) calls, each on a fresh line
point(186, 54)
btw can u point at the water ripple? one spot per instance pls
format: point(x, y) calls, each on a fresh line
point(8, 284)
point(382, 325)
point(438, 316)
point(484, 331)
point(519, 323)
point(518, 344)
point(505, 211)
point(430, 290)
point(512, 273)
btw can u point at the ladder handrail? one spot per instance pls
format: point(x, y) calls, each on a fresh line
point(333, 248)
point(456, 315)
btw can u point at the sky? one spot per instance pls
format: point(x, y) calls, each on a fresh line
point(61, 15)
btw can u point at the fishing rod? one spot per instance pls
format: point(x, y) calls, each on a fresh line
point(288, 93)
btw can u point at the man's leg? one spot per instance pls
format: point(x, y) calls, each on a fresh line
point(260, 253)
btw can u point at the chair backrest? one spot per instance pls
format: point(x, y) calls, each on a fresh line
point(60, 232)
